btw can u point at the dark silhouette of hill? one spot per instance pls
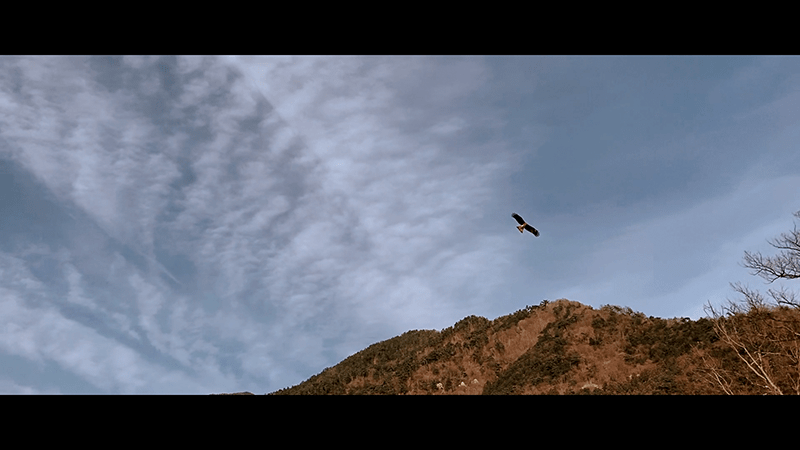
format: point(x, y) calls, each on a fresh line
point(560, 347)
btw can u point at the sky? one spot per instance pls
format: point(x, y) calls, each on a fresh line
point(197, 225)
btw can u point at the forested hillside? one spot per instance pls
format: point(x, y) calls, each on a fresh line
point(561, 347)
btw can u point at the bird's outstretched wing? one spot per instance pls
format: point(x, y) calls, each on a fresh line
point(532, 230)
point(519, 219)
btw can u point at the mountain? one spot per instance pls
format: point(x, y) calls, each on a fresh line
point(565, 347)
point(560, 347)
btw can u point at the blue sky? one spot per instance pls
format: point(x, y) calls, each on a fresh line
point(220, 224)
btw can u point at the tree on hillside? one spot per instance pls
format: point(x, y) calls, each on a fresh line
point(764, 336)
point(785, 265)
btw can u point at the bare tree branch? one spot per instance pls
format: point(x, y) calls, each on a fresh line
point(765, 336)
point(785, 265)
point(784, 297)
point(737, 339)
point(717, 377)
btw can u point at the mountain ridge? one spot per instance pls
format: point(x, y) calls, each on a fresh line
point(560, 347)
point(568, 348)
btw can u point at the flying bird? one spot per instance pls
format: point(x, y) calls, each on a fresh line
point(524, 225)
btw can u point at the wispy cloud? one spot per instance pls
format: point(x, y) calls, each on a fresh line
point(41, 333)
point(205, 224)
point(242, 216)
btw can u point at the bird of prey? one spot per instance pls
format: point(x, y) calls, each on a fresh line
point(524, 225)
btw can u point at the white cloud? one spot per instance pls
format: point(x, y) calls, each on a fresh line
point(352, 204)
point(11, 387)
point(41, 333)
point(76, 294)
